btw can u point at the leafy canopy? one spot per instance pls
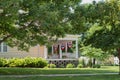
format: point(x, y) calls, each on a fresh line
point(104, 21)
point(92, 52)
point(25, 23)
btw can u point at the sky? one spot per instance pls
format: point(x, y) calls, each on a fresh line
point(89, 1)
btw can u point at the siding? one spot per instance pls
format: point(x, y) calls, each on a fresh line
point(37, 51)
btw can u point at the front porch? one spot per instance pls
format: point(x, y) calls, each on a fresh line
point(63, 49)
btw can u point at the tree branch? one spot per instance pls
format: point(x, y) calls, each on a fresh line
point(10, 35)
point(5, 38)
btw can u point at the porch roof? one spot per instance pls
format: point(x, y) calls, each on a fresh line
point(70, 37)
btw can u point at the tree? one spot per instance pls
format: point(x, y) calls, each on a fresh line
point(25, 23)
point(104, 33)
point(93, 53)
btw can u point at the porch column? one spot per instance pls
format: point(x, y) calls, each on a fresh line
point(76, 48)
point(60, 51)
point(45, 52)
point(66, 47)
point(52, 49)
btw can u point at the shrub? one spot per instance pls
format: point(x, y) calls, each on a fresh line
point(51, 65)
point(70, 65)
point(79, 66)
point(11, 62)
point(15, 62)
point(39, 62)
point(19, 62)
point(3, 62)
point(96, 66)
point(89, 63)
point(83, 63)
point(26, 62)
point(35, 62)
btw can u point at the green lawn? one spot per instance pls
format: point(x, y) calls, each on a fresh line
point(103, 77)
point(23, 71)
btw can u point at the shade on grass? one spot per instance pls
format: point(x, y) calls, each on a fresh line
point(100, 77)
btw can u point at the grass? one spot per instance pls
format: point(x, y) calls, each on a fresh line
point(100, 77)
point(33, 71)
point(23, 71)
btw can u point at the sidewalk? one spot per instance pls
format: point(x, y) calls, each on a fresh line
point(52, 75)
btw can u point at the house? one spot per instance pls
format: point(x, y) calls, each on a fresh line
point(64, 51)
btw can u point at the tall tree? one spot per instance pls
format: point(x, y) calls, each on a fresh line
point(104, 17)
point(25, 23)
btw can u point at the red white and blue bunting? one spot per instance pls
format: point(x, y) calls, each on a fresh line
point(63, 46)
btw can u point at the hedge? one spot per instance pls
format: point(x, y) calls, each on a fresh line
point(23, 62)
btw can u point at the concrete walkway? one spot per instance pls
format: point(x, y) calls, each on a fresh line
point(53, 75)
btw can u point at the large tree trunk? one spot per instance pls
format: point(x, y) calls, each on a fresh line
point(119, 59)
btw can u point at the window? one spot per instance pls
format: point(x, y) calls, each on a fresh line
point(3, 47)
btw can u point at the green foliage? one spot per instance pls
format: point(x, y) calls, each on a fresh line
point(82, 61)
point(29, 62)
point(35, 62)
point(103, 21)
point(3, 62)
point(104, 39)
point(51, 65)
point(90, 64)
point(72, 49)
point(18, 63)
point(79, 66)
point(26, 62)
point(104, 31)
point(28, 23)
point(70, 65)
point(39, 62)
point(96, 66)
point(92, 52)
point(40, 21)
point(11, 62)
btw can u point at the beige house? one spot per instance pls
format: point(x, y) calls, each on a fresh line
point(64, 49)
point(8, 52)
